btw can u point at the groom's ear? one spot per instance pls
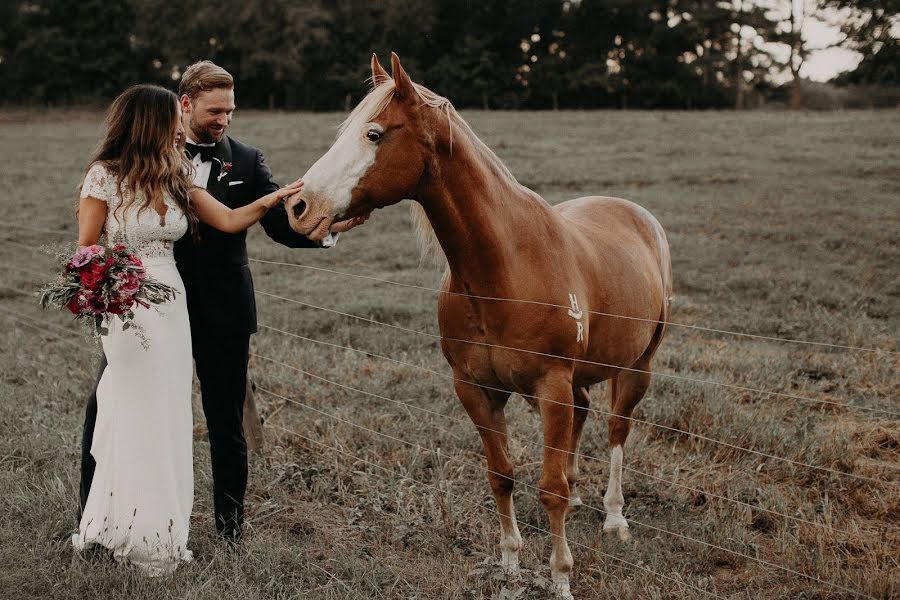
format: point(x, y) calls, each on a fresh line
point(379, 75)
point(185, 103)
point(403, 85)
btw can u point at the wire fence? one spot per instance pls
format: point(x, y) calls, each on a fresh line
point(480, 467)
point(37, 324)
point(719, 331)
point(675, 376)
point(22, 319)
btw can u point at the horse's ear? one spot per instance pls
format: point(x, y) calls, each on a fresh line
point(379, 75)
point(403, 85)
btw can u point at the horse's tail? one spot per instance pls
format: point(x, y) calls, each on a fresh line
point(665, 272)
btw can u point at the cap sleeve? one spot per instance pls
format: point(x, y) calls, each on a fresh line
point(99, 183)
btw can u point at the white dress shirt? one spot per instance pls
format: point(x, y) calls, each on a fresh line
point(202, 168)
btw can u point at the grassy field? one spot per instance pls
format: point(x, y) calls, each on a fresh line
point(780, 224)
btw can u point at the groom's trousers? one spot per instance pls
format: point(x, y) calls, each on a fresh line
point(221, 363)
point(87, 461)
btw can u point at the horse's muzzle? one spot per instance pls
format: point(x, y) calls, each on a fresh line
point(308, 217)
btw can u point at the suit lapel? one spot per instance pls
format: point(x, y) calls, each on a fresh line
point(218, 180)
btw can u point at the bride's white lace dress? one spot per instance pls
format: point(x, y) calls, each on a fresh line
point(142, 492)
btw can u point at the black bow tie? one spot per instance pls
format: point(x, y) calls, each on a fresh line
point(206, 152)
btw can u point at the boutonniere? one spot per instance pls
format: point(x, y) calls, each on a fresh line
point(224, 168)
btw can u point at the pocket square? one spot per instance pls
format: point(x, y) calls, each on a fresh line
point(230, 183)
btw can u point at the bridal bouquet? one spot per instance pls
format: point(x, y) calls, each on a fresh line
point(98, 283)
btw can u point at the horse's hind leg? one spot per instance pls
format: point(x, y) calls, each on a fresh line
point(627, 389)
point(485, 408)
point(582, 404)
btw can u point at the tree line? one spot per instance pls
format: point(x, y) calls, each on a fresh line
point(503, 54)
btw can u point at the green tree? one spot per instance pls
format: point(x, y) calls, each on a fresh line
point(869, 27)
point(59, 51)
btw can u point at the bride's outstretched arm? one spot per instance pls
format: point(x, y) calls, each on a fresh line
point(232, 220)
point(91, 218)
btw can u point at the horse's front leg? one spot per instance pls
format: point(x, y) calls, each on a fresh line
point(555, 398)
point(485, 408)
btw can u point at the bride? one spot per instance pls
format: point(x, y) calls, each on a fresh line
point(138, 189)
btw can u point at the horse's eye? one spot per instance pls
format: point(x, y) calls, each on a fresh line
point(374, 135)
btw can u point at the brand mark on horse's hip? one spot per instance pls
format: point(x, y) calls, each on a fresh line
point(576, 313)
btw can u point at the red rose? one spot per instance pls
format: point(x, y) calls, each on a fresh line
point(92, 275)
point(121, 305)
point(78, 302)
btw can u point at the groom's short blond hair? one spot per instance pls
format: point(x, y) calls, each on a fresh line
point(203, 76)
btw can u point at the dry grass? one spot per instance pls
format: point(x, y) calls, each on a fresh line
point(780, 224)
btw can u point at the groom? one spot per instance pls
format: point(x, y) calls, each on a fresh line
point(218, 285)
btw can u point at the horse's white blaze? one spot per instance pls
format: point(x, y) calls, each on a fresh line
point(339, 170)
point(613, 500)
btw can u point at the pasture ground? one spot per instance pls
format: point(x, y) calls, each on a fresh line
point(780, 224)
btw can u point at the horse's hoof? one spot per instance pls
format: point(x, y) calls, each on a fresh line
point(574, 502)
point(618, 524)
point(510, 566)
point(562, 591)
point(621, 532)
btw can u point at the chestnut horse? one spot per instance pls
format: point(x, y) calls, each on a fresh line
point(501, 240)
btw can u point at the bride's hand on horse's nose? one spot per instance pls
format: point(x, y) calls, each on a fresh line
point(279, 195)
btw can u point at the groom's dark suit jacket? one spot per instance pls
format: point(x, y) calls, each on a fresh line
point(214, 269)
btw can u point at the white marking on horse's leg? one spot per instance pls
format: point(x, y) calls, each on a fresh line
point(510, 542)
point(560, 566)
point(574, 475)
point(613, 500)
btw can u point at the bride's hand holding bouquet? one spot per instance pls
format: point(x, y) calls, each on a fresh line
point(98, 283)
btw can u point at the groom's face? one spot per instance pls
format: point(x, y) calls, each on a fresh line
point(208, 115)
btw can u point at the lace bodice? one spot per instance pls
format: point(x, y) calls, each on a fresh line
point(145, 231)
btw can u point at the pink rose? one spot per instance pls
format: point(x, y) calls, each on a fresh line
point(84, 256)
point(131, 284)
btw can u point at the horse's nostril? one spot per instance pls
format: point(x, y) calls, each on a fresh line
point(299, 209)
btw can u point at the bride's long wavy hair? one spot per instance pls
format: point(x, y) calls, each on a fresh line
point(141, 150)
